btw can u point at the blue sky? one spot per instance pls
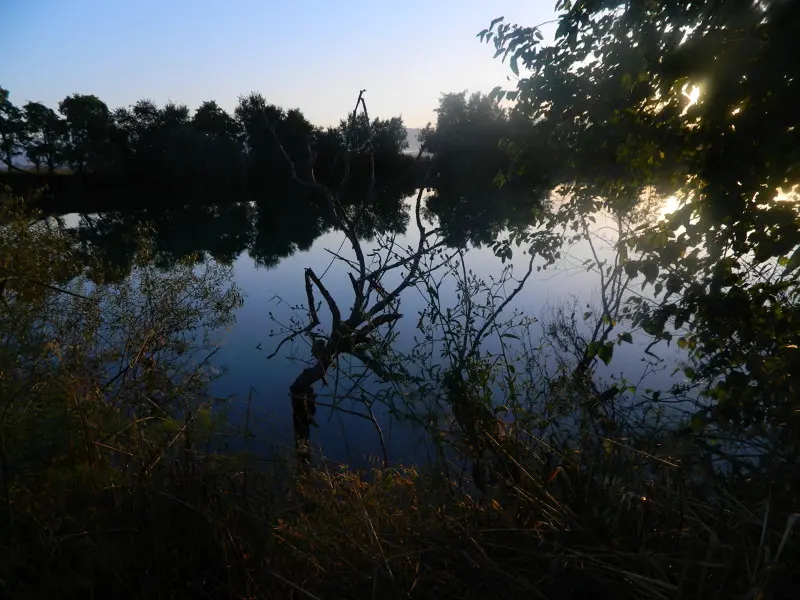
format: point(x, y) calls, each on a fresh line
point(313, 54)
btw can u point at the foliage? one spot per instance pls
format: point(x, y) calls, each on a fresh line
point(11, 130)
point(86, 368)
point(45, 132)
point(206, 158)
point(211, 119)
point(471, 202)
point(619, 78)
point(88, 126)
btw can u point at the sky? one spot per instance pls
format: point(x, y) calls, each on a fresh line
point(314, 55)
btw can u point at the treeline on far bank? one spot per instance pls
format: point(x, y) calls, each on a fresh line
point(92, 157)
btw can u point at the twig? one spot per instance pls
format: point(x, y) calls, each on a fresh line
point(479, 336)
point(293, 585)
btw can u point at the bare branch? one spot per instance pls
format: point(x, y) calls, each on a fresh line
point(370, 416)
point(337, 316)
point(312, 314)
point(412, 272)
point(344, 259)
point(479, 336)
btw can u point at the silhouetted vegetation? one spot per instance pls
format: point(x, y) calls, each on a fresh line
point(150, 156)
point(476, 192)
point(550, 477)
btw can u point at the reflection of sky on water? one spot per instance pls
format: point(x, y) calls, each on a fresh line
point(276, 290)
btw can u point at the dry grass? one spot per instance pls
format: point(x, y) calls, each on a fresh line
point(190, 528)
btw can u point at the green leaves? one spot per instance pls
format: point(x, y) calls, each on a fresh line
point(602, 350)
point(632, 125)
point(605, 352)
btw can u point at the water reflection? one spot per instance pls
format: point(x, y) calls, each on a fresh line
point(268, 230)
point(287, 231)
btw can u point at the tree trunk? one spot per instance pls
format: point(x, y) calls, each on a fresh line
point(11, 166)
point(304, 405)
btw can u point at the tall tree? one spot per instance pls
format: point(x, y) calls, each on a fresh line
point(255, 116)
point(147, 130)
point(12, 130)
point(45, 133)
point(211, 119)
point(88, 125)
point(267, 128)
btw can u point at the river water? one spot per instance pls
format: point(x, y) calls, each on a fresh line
point(269, 249)
point(257, 387)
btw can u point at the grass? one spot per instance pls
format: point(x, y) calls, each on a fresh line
point(197, 526)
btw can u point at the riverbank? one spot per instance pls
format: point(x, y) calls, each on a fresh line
point(215, 526)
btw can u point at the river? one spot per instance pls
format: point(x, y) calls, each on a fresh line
point(268, 269)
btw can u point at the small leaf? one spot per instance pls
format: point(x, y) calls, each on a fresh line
point(794, 261)
point(606, 352)
point(626, 337)
point(514, 66)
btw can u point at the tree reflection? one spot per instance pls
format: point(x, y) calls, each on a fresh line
point(287, 219)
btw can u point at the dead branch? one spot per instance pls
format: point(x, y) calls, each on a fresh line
point(353, 335)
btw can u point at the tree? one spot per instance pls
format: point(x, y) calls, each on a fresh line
point(12, 131)
point(694, 99)
point(269, 131)
point(211, 119)
point(468, 154)
point(88, 126)
point(45, 133)
point(374, 306)
point(255, 116)
point(387, 137)
point(149, 135)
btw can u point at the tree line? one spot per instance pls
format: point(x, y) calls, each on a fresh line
point(149, 144)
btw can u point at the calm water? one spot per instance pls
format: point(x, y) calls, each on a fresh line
point(258, 387)
point(344, 437)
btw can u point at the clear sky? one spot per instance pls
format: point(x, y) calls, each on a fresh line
point(311, 54)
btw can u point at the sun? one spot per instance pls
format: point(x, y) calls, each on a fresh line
point(670, 206)
point(692, 94)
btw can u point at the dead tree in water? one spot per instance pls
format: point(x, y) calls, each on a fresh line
point(375, 305)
